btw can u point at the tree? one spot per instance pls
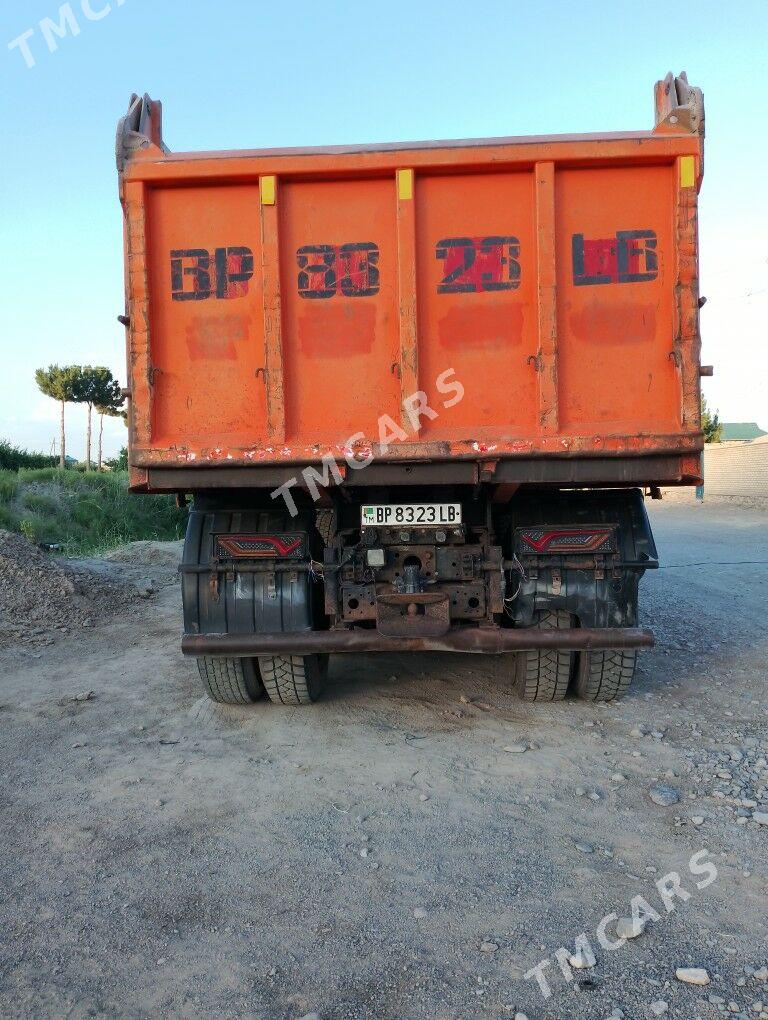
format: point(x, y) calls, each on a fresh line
point(59, 383)
point(711, 425)
point(120, 462)
point(96, 387)
point(110, 408)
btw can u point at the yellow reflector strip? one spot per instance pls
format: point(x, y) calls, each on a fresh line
point(687, 171)
point(267, 186)
point(404, 184)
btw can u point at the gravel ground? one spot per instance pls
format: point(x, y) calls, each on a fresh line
point(380, 855)
point(43, 597)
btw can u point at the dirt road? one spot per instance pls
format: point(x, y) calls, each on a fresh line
point(380, 855)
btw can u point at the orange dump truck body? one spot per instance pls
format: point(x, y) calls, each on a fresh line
point(284, 304)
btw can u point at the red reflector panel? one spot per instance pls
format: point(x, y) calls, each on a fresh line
point(249, 547)
point(557, 541)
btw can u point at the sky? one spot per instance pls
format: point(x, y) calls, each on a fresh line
point(251, 74)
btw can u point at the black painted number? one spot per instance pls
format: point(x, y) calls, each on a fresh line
point(326, 270)
point(474, 264)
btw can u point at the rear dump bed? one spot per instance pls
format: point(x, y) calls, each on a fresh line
point(414, 391)
point(282, 305)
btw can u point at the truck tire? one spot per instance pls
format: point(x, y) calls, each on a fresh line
point(293, 679)
point(544, 674)
point(606, 675)
point(230, 681)
point(325, 525)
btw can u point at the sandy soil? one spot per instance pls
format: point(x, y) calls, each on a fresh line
point(380, 855)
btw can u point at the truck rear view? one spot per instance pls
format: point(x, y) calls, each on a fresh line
point(416, 392)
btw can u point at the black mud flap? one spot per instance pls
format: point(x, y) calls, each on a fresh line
point(604, 592)
point(246, 572)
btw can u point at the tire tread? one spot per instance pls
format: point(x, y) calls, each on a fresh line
point(227, 681)
point(605, 675)
point(292, 679)
point(544, 674)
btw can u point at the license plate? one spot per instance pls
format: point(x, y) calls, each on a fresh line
point(412, 514)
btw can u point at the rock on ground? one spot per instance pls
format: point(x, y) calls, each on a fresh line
point(692, 975)
point(663, 795)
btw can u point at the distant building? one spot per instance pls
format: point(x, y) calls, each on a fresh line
point(741, 431)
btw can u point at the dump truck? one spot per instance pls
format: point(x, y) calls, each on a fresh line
point(416, 393)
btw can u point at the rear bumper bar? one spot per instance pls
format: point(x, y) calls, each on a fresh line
point(458, 639)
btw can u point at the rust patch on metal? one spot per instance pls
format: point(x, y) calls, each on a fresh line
point(480, 640)
point(418, 615)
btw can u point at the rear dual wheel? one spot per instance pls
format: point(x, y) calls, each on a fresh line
point(287, 679)
point(548, 674)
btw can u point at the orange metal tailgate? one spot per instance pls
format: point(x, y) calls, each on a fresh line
point(282, 303)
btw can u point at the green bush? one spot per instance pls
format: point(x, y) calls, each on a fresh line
point(9, 483)
point(84, 512)
point(41, 474)
point(39, 501)
point(12, 458)
point(29, 528)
